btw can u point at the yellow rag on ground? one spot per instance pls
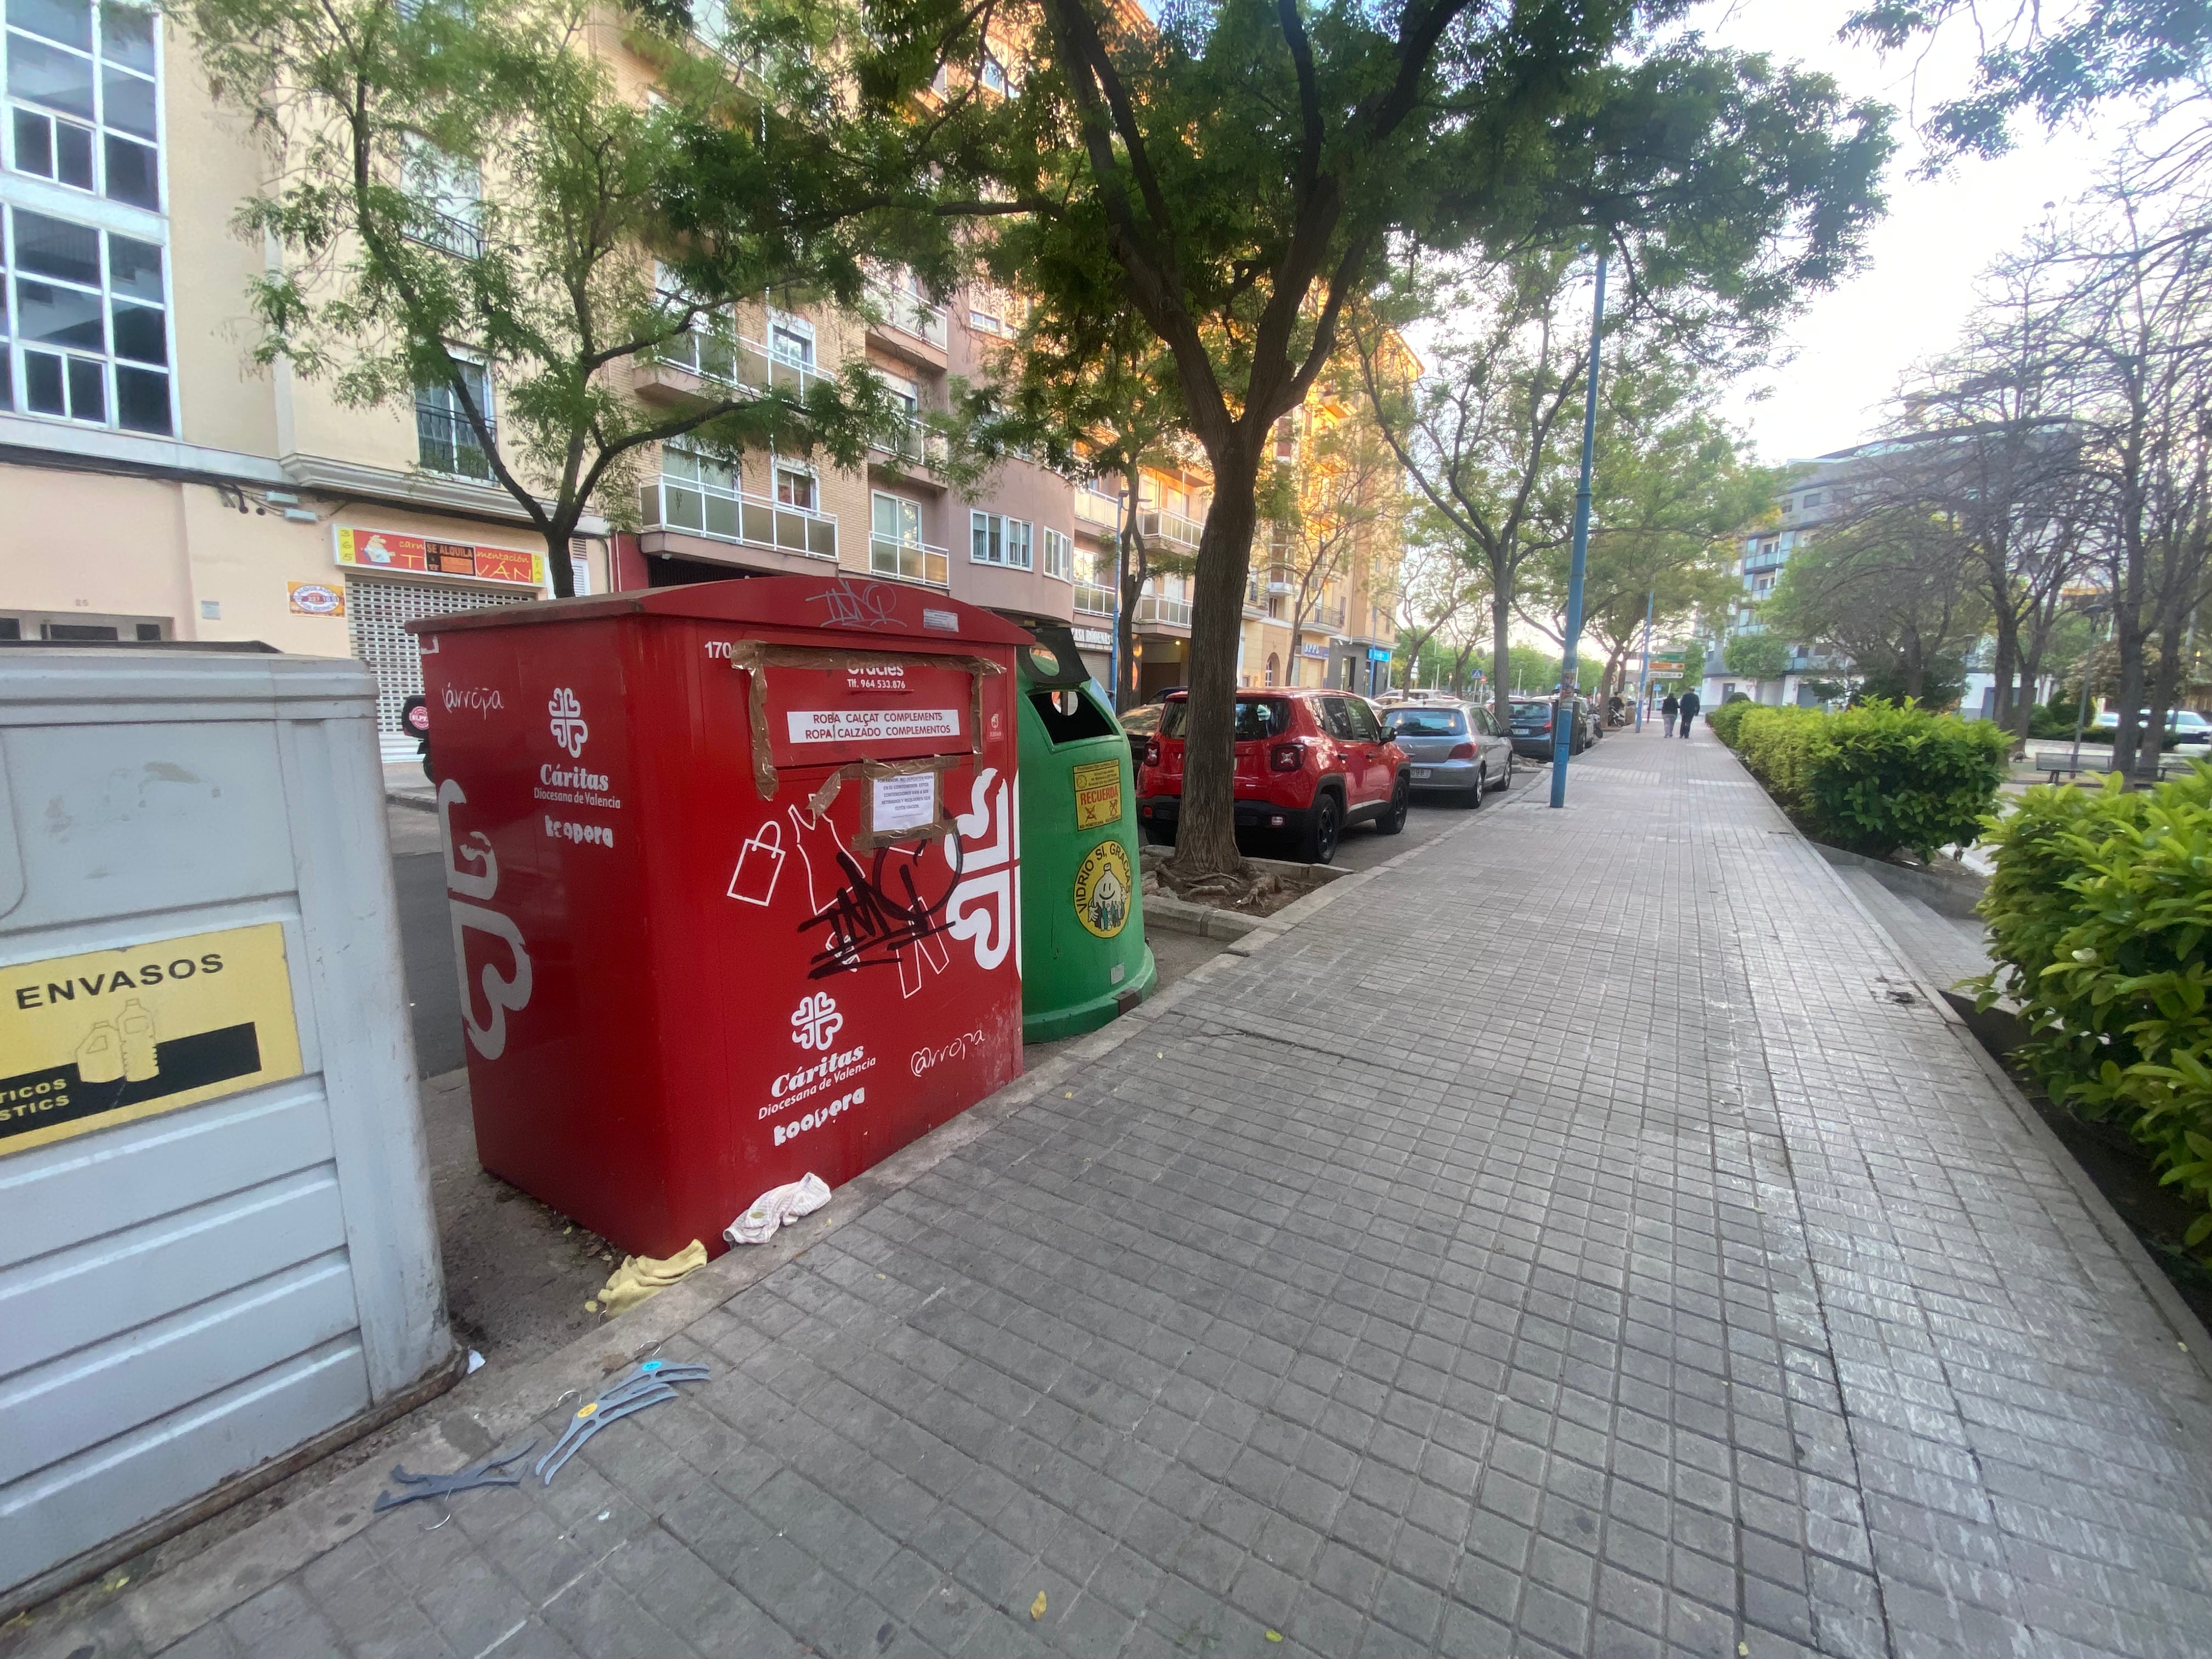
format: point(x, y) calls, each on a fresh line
point(641, 1276)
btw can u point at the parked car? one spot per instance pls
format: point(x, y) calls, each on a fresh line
point(1141, 723)
point(1455, 746)
point(1531, 719)
point(2187, 733)
point(1309, 762)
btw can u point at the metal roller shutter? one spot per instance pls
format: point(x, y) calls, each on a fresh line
point(376, 614)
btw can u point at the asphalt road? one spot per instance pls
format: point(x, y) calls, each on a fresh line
point(426, 940)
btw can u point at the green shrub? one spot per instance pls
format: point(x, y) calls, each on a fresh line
point(2098, 913)
point(1876, 777)
point(2046, 720)
point(1727, 719)
point(1778, 745)
point(1886, 775)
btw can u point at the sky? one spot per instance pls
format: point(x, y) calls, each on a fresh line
point(1847, 350)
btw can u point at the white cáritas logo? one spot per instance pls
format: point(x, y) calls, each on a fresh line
point(816, 1022)
point(567, 723)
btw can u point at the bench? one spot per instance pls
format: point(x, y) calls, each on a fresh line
point(2058, 768)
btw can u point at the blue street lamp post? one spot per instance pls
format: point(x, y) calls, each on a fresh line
point(1644, 681)
point(1566, 705)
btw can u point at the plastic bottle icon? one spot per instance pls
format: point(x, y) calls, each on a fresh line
point(140, 1062)
point(99, 1056)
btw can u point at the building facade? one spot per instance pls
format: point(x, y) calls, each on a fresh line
point(161, 486)
point(1810, 498)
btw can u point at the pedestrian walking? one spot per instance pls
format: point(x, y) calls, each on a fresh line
point(1691, 703)
point(1670, 709)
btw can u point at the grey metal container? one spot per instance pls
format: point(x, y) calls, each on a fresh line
point(216, 1245)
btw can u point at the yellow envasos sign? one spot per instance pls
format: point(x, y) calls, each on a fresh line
point(110, 1036)
point(1097, 794)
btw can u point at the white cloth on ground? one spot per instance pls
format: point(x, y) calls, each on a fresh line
point(777, 1208)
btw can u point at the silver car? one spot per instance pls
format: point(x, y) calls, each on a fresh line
point(1454, 746)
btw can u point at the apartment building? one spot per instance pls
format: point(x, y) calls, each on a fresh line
point(1811, 497)
point(157, 486)
point(160, 486)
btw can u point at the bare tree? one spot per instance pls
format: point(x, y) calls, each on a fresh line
point(2136, 329)
point(1486, 437)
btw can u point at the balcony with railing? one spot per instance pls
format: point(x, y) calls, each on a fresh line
point(916, 444)
point(1093, 599)
point(1157, 611)
point(1171, 528)
point(903, 321)
point(1329, 614)
point(700, 507)
point(909, 561)
point(725, 360)
point(1097, 507)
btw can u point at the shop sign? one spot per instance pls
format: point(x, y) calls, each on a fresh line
point(384, 550)
point(1667, 668)
point(1317, 649)
point(109, 1036)
point(316, 599)
point(1376, 654)
point(1097, 639)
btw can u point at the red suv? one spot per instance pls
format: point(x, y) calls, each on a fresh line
point(1308, 763)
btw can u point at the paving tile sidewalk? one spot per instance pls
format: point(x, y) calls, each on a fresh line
point(1570, 1245)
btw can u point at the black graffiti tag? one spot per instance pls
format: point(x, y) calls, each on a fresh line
point(876, 915)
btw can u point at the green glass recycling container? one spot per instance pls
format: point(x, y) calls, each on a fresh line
point(1084, 955)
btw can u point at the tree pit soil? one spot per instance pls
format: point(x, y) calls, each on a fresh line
point(1261, 887)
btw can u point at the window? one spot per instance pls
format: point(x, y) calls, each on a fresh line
point(994, 74)
point(795, 486)
point(1255, 717)
point(1812, 499)
point(698, 491)
point(445, 439)
point(1363, 726)
point(90, 311)
point(905, 392)
point(790, 338)
point(1059, 554)
point(990, 312)
point(80, 97)
point(898, 520)
point(449, 194)
point(1426, 723)
point(997, 540)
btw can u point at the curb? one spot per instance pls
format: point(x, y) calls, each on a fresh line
point(405, 798)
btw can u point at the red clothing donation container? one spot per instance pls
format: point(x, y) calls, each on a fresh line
point(734, 887)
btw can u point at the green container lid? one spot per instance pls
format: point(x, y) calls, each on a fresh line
point(1084, 955)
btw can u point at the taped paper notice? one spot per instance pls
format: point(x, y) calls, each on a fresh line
point(871, 724)
point(905, 802)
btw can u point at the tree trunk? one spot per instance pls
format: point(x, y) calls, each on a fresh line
point(1206, 827)
point(1129, 586)
point(2128, 636)
point(2006, 667)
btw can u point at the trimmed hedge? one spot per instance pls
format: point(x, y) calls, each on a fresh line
point(2098, 914)
point(1778, 745)
point(1727, 717)
point(1875, 778)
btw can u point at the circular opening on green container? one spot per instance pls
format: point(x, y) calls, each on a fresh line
point(1065, 701)
point(1044, 662)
